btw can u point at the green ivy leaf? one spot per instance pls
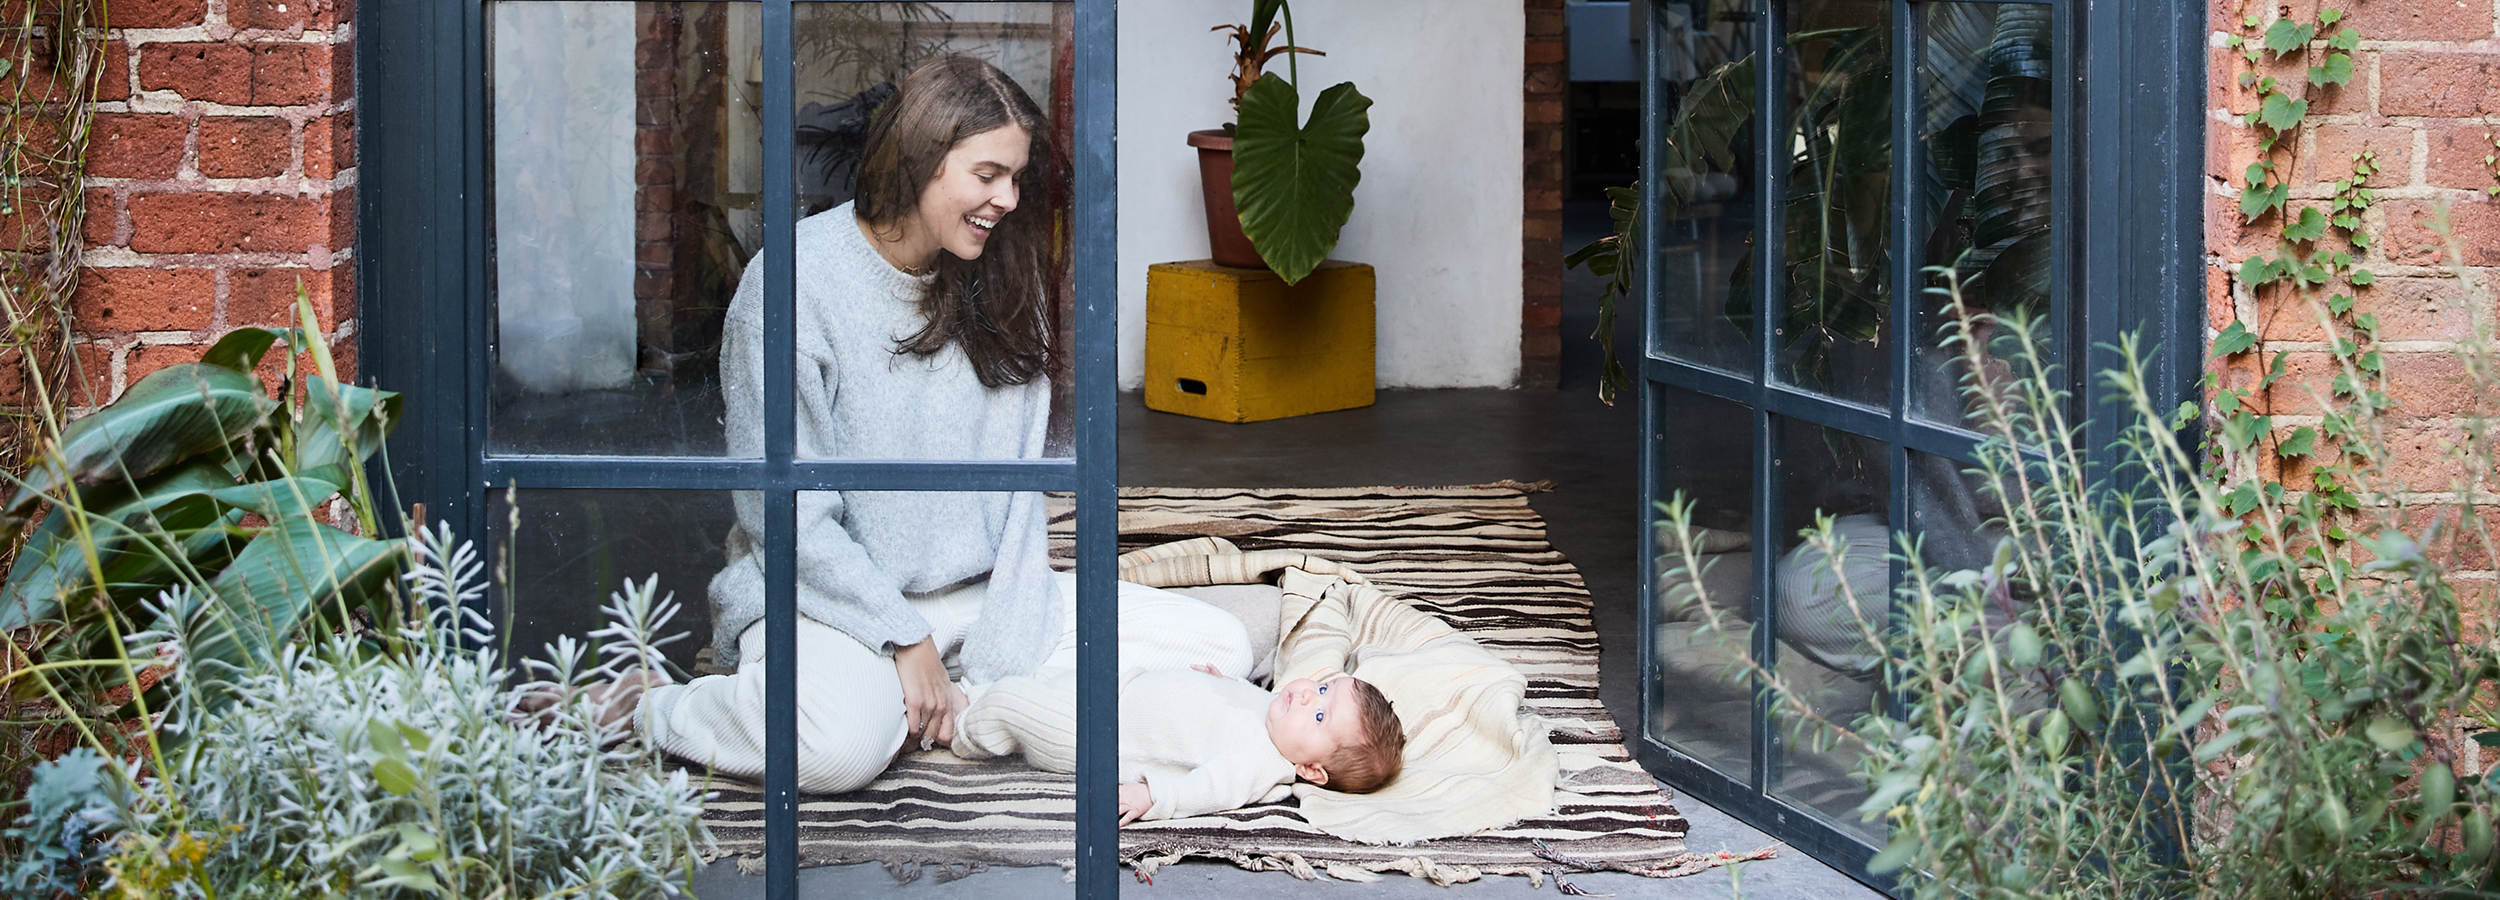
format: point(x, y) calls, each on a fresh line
point(2280, 112)
point(2366, 323)
point(2256, 270)
point(2282, 366)
point(2370, 362)
point(2261, 199)
point(2234, 339)
point(2336, 69)
point(2286, 35)
point(2242, 500)
point(2303, 442)
point(2360, 239)
point(2310, 225)
point(2339, 304)
point(2346, 39)
point(2328, 17)
point(2363, 278)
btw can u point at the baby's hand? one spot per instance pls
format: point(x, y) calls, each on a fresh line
point(1135, 800)
point(1209, 669)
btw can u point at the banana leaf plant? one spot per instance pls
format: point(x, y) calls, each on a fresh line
point(1293, 178)
point(198, 480)
point(1987, 188)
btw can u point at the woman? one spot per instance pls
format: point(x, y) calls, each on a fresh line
point(920, 335)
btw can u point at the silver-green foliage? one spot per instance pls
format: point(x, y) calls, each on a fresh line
point(403, 774)
point(2176, 677)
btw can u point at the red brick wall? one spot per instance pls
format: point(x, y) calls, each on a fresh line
point(221, 171)
point(2424, 96)
point(1547, 83)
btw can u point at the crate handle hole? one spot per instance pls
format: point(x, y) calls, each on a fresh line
point(1193, 386)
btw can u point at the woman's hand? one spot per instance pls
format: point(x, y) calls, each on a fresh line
point(930, 701)
point(1135, 800)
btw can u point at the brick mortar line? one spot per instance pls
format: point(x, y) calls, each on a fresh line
point(275, 185)
point(2409, 348)
point(125, 258)
point(2382, 270)
point(208, 33)
point(168, 102)
point(200, 109)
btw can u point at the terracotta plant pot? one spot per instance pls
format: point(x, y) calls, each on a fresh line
point(1215, 180)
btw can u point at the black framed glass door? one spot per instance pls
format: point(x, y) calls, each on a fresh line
point(1813, 171)
point(567, 194)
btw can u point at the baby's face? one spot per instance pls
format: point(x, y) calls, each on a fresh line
point(1309, 720)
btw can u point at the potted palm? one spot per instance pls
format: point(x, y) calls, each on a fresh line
point(1278, 187)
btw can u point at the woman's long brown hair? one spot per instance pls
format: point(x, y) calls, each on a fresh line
point(992, 305)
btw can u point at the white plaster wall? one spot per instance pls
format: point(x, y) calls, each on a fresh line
point(1438, 210)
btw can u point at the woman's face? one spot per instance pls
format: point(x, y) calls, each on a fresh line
point(974, 187)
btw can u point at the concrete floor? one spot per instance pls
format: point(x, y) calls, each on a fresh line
point(1445, 437)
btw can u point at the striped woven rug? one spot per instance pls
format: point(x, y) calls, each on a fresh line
point(1475, 556)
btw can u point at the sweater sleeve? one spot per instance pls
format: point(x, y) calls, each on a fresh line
point(839, 585)
point(1225, 782)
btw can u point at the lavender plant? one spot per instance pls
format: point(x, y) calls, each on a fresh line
point(2211, 683)
point(404, 774)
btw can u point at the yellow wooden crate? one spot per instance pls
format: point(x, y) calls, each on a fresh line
point(1240, 345)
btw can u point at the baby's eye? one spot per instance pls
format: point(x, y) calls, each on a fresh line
point(1323, 689)
point(1321, 716)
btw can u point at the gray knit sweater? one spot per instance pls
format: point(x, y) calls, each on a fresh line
point(860, 552)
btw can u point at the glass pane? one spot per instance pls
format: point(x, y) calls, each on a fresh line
point(573, 548)
point(1960, 521)
point(1984, 133)
point(615, 240)
point(1827, 608)
point(877, 571)
point(1835, 299)
point(932, 172)
point(1702, 699)
point(1705, 197)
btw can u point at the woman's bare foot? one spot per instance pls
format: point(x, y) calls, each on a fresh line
point(612, 703)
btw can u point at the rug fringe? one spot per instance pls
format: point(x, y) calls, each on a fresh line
point(1440, 874)
point(1538, 486)
point(1145, 865)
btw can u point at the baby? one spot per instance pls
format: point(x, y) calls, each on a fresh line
point(1190, 741)
point(1195, 741)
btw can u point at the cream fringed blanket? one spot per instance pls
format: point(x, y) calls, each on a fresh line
point(1474, 558)
point(1473, 760)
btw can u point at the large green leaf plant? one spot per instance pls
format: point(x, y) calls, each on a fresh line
point(198, 477)
point(1293, 178)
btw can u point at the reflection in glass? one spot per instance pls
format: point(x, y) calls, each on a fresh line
point(1829, 607)
point(1702, 699)
point(1985, 194)
point(613, 255)
point(1701, 276)
point(1834, 296)
point(572, 548)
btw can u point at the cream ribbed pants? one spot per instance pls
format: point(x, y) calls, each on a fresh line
point(850, 701)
